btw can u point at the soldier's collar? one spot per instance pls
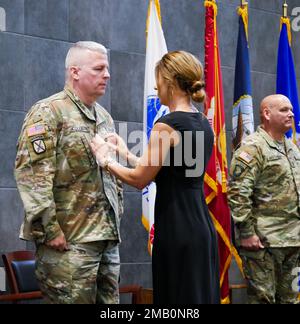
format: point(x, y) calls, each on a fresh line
point(271, 142)
point(88, 112)
point(288, 145)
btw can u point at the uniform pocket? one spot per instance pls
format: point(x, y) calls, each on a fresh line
point(275, 168)
point(257, 266)
point(255, 255)
point(78, 154)
point(274, 157)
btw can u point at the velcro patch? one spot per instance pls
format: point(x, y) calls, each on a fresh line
point(37, 119)
point(36, 130)
point(80, 129)
point(39, 146)
point(238, 171)
point(246, 157)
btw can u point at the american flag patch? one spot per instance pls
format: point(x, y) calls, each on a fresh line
point(246, 157)
point(36, 130)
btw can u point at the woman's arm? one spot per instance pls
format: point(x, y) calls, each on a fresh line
point(162, 137)
point(117, 144)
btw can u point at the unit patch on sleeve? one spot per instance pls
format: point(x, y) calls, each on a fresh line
point(238, 171)
point(39, 146)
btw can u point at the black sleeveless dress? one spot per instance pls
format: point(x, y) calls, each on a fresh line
point(185, 261)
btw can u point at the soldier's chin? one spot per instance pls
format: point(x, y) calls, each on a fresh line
point(288, 127)
point(101, 92)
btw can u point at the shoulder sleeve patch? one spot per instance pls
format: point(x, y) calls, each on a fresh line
point(238, 171)
point(245, 157)
point(36, 130)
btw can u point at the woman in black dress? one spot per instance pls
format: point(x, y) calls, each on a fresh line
point(185, 252)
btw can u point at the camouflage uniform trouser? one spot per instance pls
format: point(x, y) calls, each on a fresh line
point(269, 275)
point(86, 274)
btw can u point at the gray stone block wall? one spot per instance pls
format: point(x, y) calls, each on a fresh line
point(32, 51)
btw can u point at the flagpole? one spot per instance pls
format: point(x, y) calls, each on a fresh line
point(285, 20)
point(285, 10)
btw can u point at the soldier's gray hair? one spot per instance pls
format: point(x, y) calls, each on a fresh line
point(78, 47)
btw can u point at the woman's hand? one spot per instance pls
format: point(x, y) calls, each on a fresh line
point(100, 149)
point(117, 144)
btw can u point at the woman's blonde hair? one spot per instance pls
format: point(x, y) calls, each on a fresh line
point(185, 70)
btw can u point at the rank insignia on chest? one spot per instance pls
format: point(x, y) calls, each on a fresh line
point(39, 146)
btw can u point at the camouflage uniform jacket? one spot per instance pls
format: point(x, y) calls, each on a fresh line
point(264, 190)
point(60, 183)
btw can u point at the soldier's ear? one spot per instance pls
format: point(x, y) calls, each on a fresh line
point(74, 72)
point(266, 113)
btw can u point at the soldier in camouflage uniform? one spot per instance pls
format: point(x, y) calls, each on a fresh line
point(264, 198)
point(72, 207)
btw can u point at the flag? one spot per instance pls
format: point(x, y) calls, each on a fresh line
point(242, 116)
point(156, 49)
point(215, 181)
point(286, 76)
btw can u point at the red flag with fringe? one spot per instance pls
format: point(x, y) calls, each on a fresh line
point(215, 183)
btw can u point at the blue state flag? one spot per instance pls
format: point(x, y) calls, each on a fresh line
point(242, 116)
point(286, 76)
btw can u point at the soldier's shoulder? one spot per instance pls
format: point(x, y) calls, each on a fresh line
point(102, 111)
point(51, 99)
point(249, 152)
point(251, 143)
point(60, 96)
point(245, 158)
point(255, 139)
point(45, 108)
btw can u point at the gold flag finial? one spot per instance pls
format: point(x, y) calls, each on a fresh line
point(244, 3)
point(285, 10)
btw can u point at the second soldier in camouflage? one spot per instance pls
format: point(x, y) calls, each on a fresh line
point(264, 198)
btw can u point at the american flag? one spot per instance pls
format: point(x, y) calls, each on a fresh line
point(36, 130)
